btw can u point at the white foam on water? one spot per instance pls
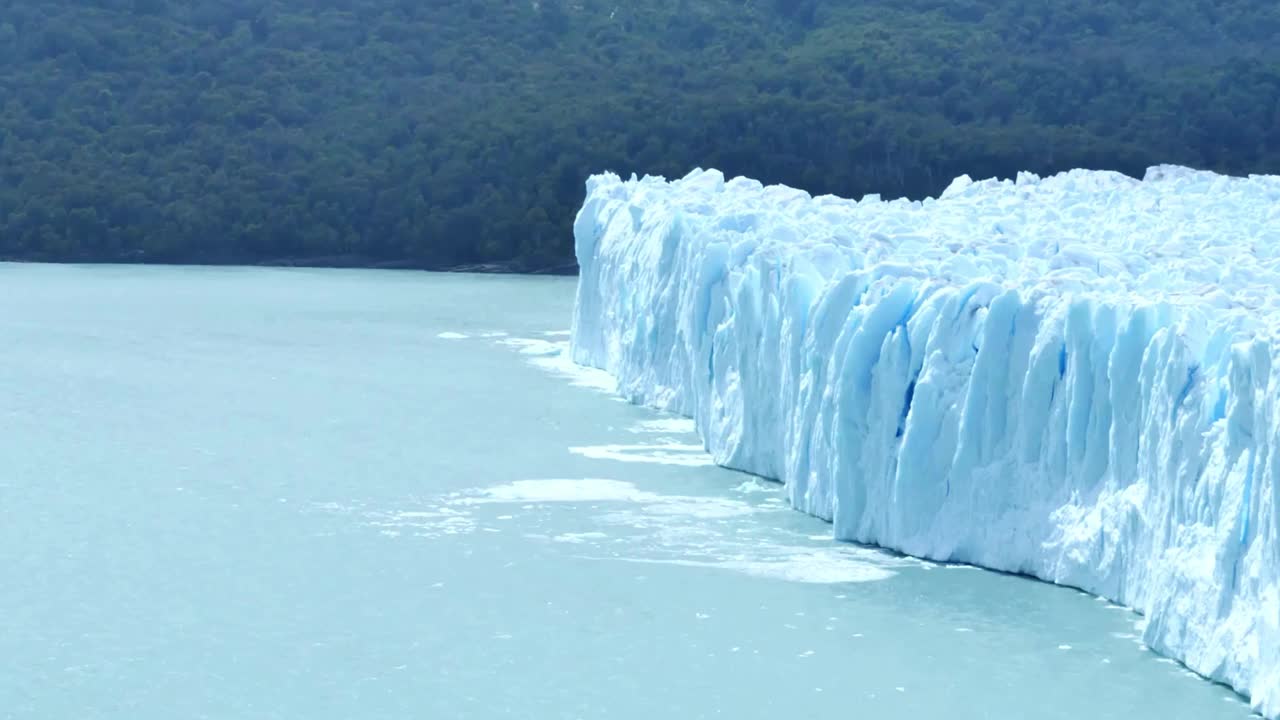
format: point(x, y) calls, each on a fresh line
point(434, 523)
point(451, 336)
point(559, 490)
point(700, 508)
point(578, 538)
point(627, 523)
point(816, 566)
point(553, 357)
point(801, 567)
point(756, 485)
point(671, 453)
point(534, 346)
point(671, 425)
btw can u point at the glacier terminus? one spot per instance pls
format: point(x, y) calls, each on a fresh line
point(1074, 377)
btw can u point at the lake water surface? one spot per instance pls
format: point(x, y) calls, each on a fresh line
point(305, 494)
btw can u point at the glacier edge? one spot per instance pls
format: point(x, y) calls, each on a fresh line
point(1071, 377)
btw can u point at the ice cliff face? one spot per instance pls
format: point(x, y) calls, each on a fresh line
point(1075, 377)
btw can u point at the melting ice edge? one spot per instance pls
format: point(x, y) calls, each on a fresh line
point(1074, 377)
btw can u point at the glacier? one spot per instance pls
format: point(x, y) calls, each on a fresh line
point(1072, 377)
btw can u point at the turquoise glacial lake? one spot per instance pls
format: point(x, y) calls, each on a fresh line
point(306, 494)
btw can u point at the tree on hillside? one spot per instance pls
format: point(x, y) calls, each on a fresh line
point(461, 131)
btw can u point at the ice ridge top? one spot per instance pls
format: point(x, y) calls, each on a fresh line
point(1074, 377)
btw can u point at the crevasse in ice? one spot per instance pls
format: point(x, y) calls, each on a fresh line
point(1074, 377)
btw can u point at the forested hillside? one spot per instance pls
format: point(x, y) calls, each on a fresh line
point(441, 132)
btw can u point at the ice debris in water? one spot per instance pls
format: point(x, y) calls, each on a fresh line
point(1074, 377)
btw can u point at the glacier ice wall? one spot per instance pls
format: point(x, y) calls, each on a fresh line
point(1074, 377)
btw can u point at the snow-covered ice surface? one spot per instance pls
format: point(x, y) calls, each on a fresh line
point(1074, 377)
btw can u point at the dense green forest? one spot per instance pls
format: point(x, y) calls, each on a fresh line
point(434, 133)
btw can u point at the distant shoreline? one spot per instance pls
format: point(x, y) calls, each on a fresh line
point(328, 262)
